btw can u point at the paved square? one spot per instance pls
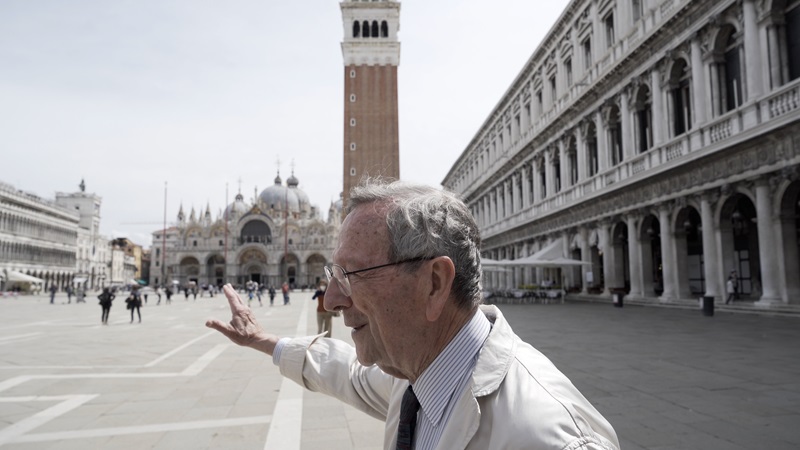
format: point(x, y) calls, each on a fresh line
point(665, 378)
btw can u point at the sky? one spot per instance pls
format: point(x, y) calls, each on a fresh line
point(209, 96)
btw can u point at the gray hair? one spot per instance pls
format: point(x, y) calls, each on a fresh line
point(426, 222)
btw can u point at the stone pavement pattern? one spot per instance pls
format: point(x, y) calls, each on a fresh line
point(673, 378)
point(666, 379)
point(67, 382)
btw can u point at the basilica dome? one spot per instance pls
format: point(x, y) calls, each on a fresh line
point(302, 197)
point(277, 195)
point(237, 208)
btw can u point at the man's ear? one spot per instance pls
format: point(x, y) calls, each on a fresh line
point(442, 272)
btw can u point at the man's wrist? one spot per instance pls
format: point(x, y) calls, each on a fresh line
point(278, 349)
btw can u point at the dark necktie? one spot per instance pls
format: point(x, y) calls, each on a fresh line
point(408, 420)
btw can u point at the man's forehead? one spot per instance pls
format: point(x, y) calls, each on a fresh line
point(363, 232)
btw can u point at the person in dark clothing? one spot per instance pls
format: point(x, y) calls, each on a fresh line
point(271, 294)
point(105, 301)
point(134, 303)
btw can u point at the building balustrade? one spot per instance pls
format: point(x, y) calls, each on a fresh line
point(717, 131)
point(784, 101)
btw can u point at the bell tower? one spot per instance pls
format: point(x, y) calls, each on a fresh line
point(371, 54)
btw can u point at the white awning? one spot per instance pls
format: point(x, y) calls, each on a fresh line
point(22, 278)
point(552, 255)
point(79, 280)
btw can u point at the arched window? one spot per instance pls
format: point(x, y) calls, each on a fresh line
point(384, 29)
point(731, 72)
point(542, 179)
point(572, 159)
point(365, 29)
point(592, 160)
point(375, 29)
point(681, 98)
point(356, 29)
point(792, 29)
point(256, 231)
point(644, 119)
point(615, 135)
point(557, 170)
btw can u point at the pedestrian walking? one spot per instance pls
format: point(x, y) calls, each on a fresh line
point(69, 293)
point(52, 293)
point(134, 302)
point(259, 292)
point(249, 288)
point(730, 288)
point(158, 293)
point(285, 290)
point(324, 317)
point(168, 293)
point(105, 302)
point(271, 294)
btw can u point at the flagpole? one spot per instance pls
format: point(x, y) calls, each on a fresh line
point(164, 241)
point(225, 272)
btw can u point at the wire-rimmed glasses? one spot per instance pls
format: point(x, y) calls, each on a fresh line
point(337, 272)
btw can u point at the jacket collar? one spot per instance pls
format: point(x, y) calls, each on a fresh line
point(496, 356)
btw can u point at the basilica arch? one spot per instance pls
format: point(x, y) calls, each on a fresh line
point(188, 270)
point(215, 269)
point(290, 270)
point(252, 265)
point(315, 271)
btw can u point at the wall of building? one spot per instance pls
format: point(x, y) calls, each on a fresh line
point(658, 141)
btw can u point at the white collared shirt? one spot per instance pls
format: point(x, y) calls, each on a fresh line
point(445, 379)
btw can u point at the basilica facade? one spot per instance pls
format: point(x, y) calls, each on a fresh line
point(655, 141)
point(279, 237)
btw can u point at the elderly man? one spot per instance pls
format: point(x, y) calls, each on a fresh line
point(442, 371)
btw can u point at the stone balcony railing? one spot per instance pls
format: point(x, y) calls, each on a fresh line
point(778, 107)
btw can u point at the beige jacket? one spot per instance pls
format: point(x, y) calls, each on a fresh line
point(517, 398)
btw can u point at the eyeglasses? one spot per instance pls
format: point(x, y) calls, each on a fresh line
point(337, 272)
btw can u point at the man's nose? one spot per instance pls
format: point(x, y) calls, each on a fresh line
point(335, 298)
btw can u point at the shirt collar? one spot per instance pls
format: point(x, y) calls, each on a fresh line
point(437, 384)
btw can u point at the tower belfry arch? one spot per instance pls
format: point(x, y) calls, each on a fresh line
point(371, 53)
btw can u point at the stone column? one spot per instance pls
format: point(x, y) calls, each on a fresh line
point(776, 67)
point(700, 95)
point(625, 121)
point(526, 198)
point(710, 257)
point(507, 197)
point(635, 257)
point(548, 172)
point(766, 243)
point(752, 51)
point(562, 157)
point(580, 144)
point(667, 253)
point(602, 143)
point(537, 182)
point(715, 98)
point(658, 107)
point(517, 188)
point(492, 207)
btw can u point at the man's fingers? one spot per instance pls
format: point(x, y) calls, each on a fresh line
point(227, 330)
point(234, 300)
